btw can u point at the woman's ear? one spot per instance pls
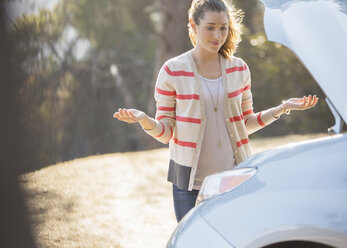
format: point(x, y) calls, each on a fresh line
point(192, 24)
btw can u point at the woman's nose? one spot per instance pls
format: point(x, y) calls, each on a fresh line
point(217, 35)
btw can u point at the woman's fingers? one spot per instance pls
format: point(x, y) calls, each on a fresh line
point(130, 116)
point(313, 102)
point(303, 103)
point(125, 115)
point(310, 101)
point(117, 115)
point(307, 99)
point(133, 116)
point(121, 114)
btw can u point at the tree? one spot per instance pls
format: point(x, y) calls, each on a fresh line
point(13, 214)
point(172, 36)
point(69, 94)
point(69, 98)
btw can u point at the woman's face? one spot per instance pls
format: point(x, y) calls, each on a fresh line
point(212, 31)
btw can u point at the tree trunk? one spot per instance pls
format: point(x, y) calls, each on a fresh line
point(173, 38)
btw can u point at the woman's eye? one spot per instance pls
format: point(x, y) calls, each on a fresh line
point(212, 28)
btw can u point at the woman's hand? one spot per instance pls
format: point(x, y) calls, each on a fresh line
point(300, 103)
point(133, 116)
point(130, 115)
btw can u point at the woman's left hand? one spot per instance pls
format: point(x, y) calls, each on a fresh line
point(301, 103)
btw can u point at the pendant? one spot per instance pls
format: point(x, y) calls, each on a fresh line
point(215, 109)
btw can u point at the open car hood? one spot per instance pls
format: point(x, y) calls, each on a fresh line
point(316, 31)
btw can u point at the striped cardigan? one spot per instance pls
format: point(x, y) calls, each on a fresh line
point(180, 116)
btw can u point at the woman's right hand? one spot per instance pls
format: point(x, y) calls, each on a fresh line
point(129, 115)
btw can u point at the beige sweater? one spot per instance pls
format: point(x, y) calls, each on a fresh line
point(180, 116)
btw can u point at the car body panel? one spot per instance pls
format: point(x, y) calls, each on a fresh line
point(271, 197)
point(193, 231)
point(316, 30)
point(265, 210)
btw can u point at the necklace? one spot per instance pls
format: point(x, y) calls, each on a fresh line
point(215, 106)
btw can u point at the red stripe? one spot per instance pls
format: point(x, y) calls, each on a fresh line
point(188, 97)
point(178, 73)
point(261, 123)
point(166, 108)
point(188, 119)
point(184, 143)
point(246, 121)
point(248, 112)
point(238, 92)
point(164, 116)
point(165, 92)
point(235, 68)
point(235, 93)
point(242, 142)
point(236, 118)
point(162, 132)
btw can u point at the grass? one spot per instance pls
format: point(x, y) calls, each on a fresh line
point(117, 200)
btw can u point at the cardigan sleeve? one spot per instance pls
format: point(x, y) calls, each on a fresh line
point(253, 121)
point(165, 117)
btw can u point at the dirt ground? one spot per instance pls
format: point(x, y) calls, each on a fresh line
point(117, 200)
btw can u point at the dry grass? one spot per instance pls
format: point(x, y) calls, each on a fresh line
point(115, 200)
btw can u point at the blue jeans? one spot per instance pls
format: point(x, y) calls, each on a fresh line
point(184, 201)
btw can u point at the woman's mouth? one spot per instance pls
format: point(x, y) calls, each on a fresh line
point(215, 43)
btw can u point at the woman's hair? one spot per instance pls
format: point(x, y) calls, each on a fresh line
point(197, 11)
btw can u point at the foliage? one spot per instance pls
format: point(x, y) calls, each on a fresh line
point(68, 99)
point(68, 94)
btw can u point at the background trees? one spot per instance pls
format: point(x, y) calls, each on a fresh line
point(80, 61)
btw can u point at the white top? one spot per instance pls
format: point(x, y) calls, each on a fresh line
point(216, 152)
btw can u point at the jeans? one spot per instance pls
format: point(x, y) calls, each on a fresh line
point(184, 201)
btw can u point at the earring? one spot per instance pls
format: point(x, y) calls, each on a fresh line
point(192, 25)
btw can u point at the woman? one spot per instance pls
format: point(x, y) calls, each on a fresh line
point(204, 103)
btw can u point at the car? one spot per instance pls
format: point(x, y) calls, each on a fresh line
point(294, 195)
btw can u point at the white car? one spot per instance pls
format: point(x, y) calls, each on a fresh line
point(295, 195)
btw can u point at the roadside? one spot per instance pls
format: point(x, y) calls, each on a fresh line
point(119, 200)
